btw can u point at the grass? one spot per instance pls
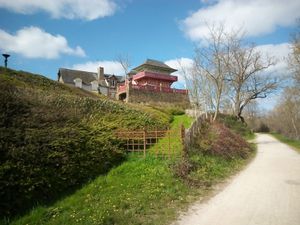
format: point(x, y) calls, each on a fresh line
point(295, 144)
point(140, 191)
point(175, 137)
point(134, 193)
point(213, 169)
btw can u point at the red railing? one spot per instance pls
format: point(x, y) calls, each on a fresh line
point(122, 88)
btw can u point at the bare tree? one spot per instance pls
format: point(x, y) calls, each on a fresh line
point(125, 62)
point(197, 86)
point(285, 117)
point(245, 69)
point(210, 64)
point(294, 57)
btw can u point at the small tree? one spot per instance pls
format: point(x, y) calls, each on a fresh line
point(125, 63)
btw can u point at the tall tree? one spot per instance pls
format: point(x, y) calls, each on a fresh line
point(294, 57)
point(198, 86)
point(233, 68)
point(210, 64)
point(246, 78)
point(285, 117)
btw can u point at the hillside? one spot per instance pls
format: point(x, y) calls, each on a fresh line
point(54, 138)
point(146, 191)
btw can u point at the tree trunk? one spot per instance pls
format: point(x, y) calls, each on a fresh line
point(239, 114)
point(218, 105)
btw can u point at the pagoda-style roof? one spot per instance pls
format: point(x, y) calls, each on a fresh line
point(154, 66)
point(156, 76)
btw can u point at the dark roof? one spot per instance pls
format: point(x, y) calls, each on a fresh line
point(68, 76)
point(155, 63)
point(119, 78)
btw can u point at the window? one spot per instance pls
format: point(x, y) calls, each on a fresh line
point(78, 82)
point(112, 83)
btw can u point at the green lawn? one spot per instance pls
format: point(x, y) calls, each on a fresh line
point(295, 144)
point(175, 139)
point(137, 192)
point(140, 191)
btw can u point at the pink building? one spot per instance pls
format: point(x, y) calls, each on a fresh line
point(151, 77)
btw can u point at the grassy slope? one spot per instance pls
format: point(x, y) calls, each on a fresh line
point(54, 137)
point(137, 192)
point(291, 142)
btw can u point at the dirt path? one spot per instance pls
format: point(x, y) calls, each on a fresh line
point(267, 192)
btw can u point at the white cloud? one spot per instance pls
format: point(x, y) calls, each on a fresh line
point(70, 9)
point(110, 67)
point(33, 42)
point(257, 17)
point(180, 64)
point(280, 53)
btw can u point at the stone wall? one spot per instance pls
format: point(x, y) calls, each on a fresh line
point(158, 98)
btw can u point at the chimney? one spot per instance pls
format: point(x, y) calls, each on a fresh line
point(100, 74)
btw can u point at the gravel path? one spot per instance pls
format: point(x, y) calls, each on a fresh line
point(267, 192)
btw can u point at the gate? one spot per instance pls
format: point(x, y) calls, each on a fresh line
point(160, 143)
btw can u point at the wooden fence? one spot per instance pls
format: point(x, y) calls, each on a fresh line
point(193, 132)
point(160, 143)
point(170, 143)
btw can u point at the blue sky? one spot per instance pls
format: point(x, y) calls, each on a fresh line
point(42, 36)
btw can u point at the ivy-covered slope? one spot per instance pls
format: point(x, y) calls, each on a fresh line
point(54, 137)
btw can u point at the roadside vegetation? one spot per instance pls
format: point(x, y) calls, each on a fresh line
point(291, 142)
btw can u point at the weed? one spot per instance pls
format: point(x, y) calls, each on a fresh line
point(291, 142)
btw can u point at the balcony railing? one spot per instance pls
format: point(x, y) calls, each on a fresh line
point(122, 88)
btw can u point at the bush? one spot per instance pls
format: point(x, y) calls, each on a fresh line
point(214, 153)
point(263, 128)
point(217, 139)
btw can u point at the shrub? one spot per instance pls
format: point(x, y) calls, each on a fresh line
point(217, 139)
point(233, 123)
point(213, 154)
point(263, 128)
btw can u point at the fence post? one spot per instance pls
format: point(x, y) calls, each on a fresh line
point(184, 149)
point(156, 143)
point(145, 143)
